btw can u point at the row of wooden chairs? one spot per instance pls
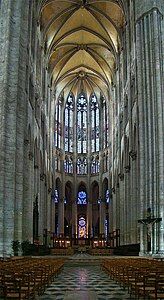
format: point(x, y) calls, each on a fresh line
point(28, 277)
point(142, 277)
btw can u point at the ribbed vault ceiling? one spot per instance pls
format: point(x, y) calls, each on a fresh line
point(82, 40)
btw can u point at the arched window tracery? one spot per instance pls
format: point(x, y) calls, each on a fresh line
point(82, 124)
point(95, 124)
point(82, 166)
point(77, 140)
point(107, 196)
point(58, 124)
point(82, 197)
point(71, 165)
point(68, 124)
point(55, 196)
point(105, 125)
point(66, 162)
point(68, 165)
point(95, 165)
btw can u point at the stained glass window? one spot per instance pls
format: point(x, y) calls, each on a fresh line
point(58, 125)
point(82, 227)
point(107, 195)
point(82, 197)
point(82, 124)
point(106, 228)
point(81, 166)
point(56, 163)
point(68, 165)
point(95, 124)
point(105, 124)
point(68, 120)
point(95, 165)
point(55, 196)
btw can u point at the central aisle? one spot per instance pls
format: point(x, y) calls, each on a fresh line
point(86, 282)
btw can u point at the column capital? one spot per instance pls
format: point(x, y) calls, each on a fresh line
point(145, 7)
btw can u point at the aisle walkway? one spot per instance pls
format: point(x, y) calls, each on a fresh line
point(84, 283)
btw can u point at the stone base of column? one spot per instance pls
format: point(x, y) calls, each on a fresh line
point(144, 254)
point(159, 254)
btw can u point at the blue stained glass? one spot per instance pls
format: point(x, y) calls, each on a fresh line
point(106, 228)
point(107, 196)
point(55, 196)
point(82, 198)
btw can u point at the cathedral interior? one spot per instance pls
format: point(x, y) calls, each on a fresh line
point(81, 149)
point(82, 126)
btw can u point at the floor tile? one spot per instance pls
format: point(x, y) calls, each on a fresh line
point(85, 280)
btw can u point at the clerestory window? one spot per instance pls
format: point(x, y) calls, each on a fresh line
point(58, 125)
point(95, 124)
point(68, 124)
point(82, 124)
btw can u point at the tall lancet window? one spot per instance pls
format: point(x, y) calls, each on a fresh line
point(82, 124)
point(95, 124)
point(58, 125)
point(68, 120)
point(105, 125)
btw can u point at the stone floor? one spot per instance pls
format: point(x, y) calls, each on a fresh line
point(84, 282)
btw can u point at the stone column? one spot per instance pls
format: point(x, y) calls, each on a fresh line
point(52, 216)
point(142, 140)
point(134, 202)
point(119, 198)
point(89, 219)
point(113, 210)
point(42, 207)
point(122, 204)
point(49, 210)
point(127, 211)
point(102, 218)
point(27, 224)
point(158, 41)
point(13, 42)
point(61, 217)
point(74, 220)
point(149, 48)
